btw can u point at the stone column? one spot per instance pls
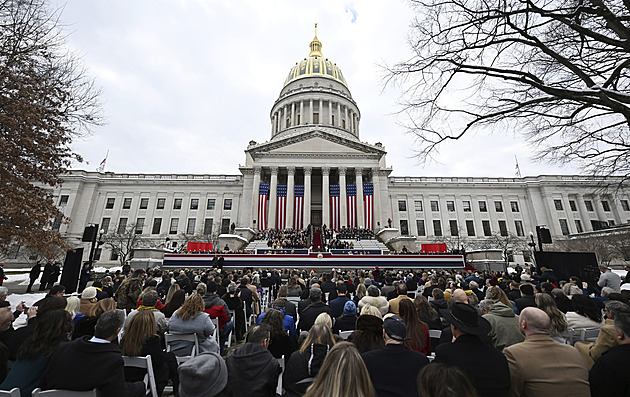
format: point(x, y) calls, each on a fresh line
point(584, 215)
point(345, 116)
point(301, 112)
point(343, 200)
point(326, 196)
point(273, 124)
point(307, 195)
point(290, 196)
point(292, 114)
point(320, 110)
point(338, 114)
point(377, 199)
point(310, 111)
point(255, 192)
point(359, 181)
point(330, 116)
point(273, 198)
point(599, 210)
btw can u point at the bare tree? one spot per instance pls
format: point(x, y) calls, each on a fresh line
point(46, 101)
point(123, 242)
point(555, 71)
point(508, 243)
point(457, 241)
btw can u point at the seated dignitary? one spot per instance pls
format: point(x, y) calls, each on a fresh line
point(252, 370)
point(96, 362)
point(394, 369)
point(540, 366)
point(468, 351)
point(609, 375)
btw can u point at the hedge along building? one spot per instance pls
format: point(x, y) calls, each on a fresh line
point(316, 170)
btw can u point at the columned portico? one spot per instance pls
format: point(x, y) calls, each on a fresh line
point(307, 195)
point(255, 192)
point(326, 196)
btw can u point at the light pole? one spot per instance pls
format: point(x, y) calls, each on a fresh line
point(93, 245)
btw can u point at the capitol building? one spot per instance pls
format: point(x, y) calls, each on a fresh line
point(315, 170)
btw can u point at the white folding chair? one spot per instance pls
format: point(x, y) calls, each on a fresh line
point(15, 392)
point(169, 338)
point(63, 393)
point(215, 321)
point(144, 362)
point(279, 387)
point(435, 333)
point(568, 336)
point(589, 334)
point(294, 299)
point(345, 334)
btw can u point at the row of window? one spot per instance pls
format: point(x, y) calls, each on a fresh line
point(450, 206)
point(455, 231)
point(161, 203)
point(625, 205)
point(156, 228)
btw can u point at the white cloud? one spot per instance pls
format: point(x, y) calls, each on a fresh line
point(186, 84)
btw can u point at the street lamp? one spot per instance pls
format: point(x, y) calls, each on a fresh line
point(533, 243)
point(94, 243)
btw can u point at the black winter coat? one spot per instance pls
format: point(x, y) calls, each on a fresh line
point(252, 371)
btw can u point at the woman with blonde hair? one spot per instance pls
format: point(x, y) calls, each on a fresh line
point(497, 295)
point(324, 318)
point(141, 339)
point(191, 319)
point(343, 374)
point(547, 304)
point(171, 291)
point(102, 306)
point(72, 306)
point(372, 311)
point(360, 294)
point(304, 364)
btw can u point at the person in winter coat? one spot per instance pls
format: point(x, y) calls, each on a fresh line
point(505, 329)
point(43, 282)
point(128, 293)
point(375, 299)
point(348, 321)
point(33, 275)
point(252, 370)
point(235, 303)
point(438, 303)
point(304, 364)
point(216, 308)
point(191, 319)
point(280, 343)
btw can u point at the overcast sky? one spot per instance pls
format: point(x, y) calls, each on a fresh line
point(187, 84)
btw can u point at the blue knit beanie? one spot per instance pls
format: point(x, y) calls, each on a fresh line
point(349, 309)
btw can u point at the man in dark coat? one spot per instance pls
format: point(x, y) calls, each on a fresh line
point(33, 275)
point(85, 276)
point(97, 363)
point(252, 370)
point(54, 274)
point(289, 306)
point(338, 304)
point(308, 316)
point(394, 369)
point(527, 297)
point(468, 351)
point(48, 269)
point(609, 376)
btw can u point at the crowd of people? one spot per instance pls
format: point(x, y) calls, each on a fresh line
point(338, 333)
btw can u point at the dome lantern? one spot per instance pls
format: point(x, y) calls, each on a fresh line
point(316, 46)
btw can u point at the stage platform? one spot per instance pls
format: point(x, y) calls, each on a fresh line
point(316, 260)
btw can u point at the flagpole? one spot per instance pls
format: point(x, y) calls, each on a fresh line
point(518, 169)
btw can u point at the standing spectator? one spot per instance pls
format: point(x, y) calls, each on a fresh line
point(84, 276)
point(534, 363)
point(394, 369)
point(43, 282)
point(54, 274)
point(468, 350)
point(234, 303)
point(608, 278)
point(343, 374)
point(33, 275)
point(252, 370)
point(609, 375)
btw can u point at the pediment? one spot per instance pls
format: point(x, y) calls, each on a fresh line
point(316, 143)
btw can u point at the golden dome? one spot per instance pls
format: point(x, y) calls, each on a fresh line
point(315, 65)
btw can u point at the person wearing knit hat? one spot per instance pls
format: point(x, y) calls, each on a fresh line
point(88, 301)
point(204, 375)
point(348, 321)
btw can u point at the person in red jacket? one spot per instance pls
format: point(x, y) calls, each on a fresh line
point(216, 308)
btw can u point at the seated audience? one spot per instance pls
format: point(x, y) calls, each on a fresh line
point(338, 304)
point(394, 369)
point(72, 306)
point(176, 301)
point(609, 375)
point(304, 364)
point(527, 297)
point(585, 314)
point(375, 299)
point(281, 343)
point(149, 299)
point(343, 374)
point(417, 331)
point(348, 321)
point(34, 355)
point(217, 308)
point(287, 321)
point(88, 300)
point(308, 316)
point(402, 294)
point(441, 380)
point(534, 363)
point(205, 375)
point(191, 319)
point(468, 350)
point(505, 330)
point(369, 333)
point(547, 304)
point(252, 369)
